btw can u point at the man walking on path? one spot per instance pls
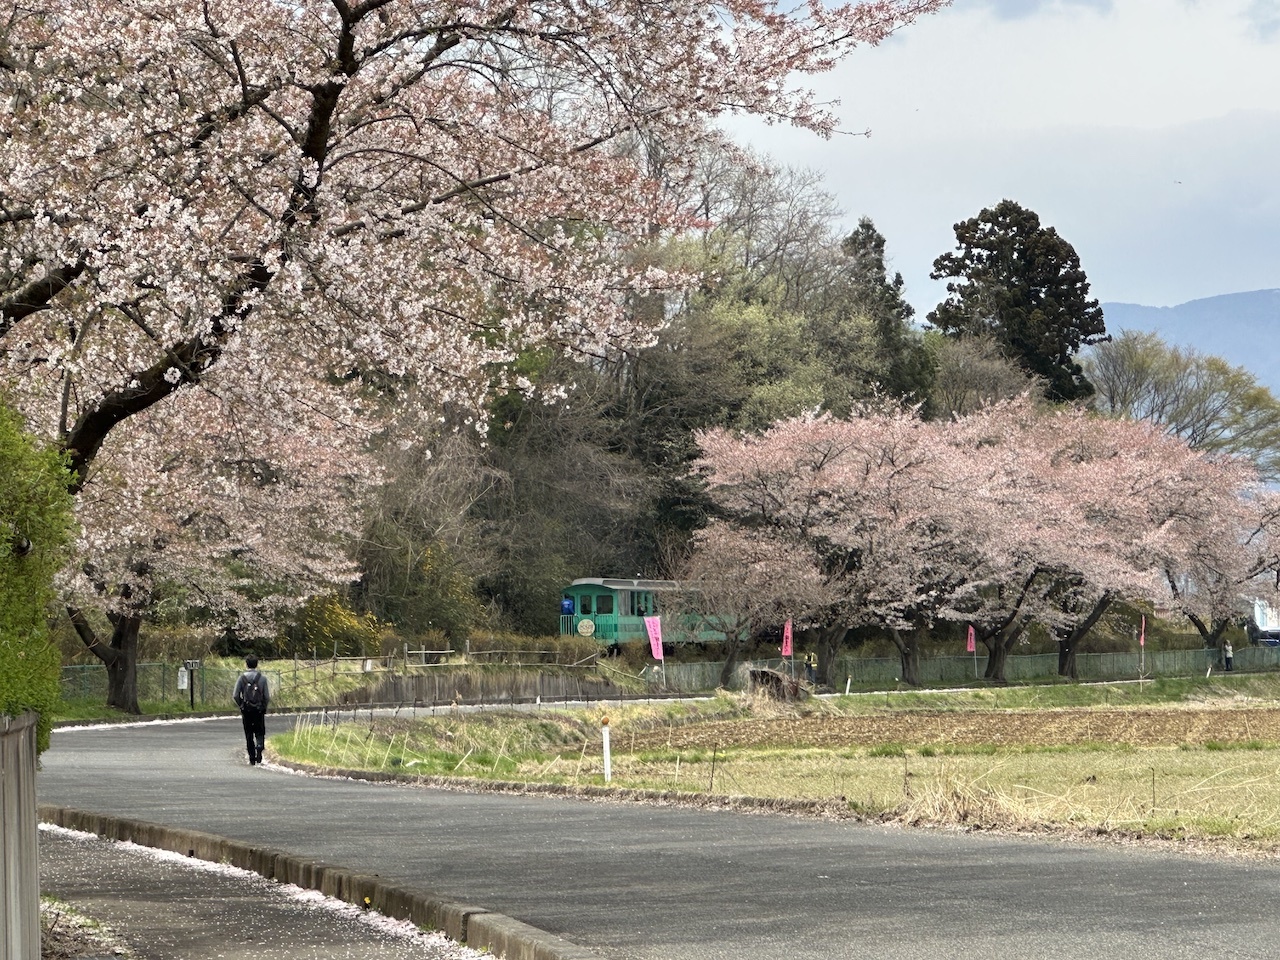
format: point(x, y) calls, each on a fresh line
point(252, 697)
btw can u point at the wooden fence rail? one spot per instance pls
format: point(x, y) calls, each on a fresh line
point(19, 856)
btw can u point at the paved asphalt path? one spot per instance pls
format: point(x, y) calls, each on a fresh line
point(635, 882)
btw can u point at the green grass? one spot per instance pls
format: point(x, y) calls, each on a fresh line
point(93, 709)
point(1216, 789)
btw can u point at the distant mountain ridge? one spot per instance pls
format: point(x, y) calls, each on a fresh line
point(1241, 328)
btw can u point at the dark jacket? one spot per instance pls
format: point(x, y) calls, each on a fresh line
point(245, 679)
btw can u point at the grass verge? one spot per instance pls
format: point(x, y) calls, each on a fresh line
point(1175, 760)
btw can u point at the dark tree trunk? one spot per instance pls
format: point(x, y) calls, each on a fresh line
point(120, 656)
point(1067, 657)
point(1210, 632)
point(908, 645)
point(1069, 638)
point(999, 638)
point(997, 656)
point(829, 642)
point(999, 647)
point(732, 644)
point(122, 669)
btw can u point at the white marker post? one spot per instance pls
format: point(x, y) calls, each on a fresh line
point(608, 760)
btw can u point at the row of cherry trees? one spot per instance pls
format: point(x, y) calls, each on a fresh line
point(1011, 516)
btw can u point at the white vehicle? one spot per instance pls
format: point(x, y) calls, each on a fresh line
point(1264, 627)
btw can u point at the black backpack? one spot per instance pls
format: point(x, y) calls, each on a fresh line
point(253, 695)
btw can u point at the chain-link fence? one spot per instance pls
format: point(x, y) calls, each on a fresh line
point(209, 688)
point(859, 673)
point(206, 688)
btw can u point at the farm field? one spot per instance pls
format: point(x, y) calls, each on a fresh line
point(1201, 764)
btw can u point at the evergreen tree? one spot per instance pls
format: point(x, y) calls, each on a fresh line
point(1023, 284)
point(903, 361)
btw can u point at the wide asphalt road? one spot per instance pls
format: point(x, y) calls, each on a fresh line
point(649, 883)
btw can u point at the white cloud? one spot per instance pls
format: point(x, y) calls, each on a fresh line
point(1146, 131)
point(1265, 17)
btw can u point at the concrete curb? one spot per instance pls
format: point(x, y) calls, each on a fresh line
point(475, 926)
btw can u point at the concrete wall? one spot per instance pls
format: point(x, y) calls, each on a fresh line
point(19, 857)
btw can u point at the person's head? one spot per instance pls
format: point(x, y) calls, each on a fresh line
point(251, 662)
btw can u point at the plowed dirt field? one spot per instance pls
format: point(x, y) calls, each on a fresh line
point(1146, 727)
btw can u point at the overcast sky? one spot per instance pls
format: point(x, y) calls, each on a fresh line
point(1147, 132)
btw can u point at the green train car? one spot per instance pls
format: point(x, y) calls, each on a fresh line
point(613, 611)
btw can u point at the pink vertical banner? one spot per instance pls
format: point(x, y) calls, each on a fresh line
point(972, 645)
point(786, 638)
point(1142, 634)
point(653, 626)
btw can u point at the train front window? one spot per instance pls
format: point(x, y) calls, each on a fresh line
point(604, 603)
point(584, 605)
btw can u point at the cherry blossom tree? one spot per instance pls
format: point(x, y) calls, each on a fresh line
point(1012, 516)
point(865, 497)
point(1228, 548)
point(240, 521)
point(328, 205)
point(1080, 511)
point(738, 581)
point(422, 189)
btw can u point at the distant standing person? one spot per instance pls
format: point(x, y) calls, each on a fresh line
point(1226, 654)
point(252, 696)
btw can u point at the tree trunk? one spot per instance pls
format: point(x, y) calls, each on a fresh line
point(122, 669)
point(908, 645)
point(732, 644)
point(1211, 632)
point(1067, 657)
point(120, 657)
point(1069, 638)
point(997, 655)
point(999, 648)
point(1000, 637)
point(829, 641)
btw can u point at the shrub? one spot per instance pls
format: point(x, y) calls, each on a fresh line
point(35, 528)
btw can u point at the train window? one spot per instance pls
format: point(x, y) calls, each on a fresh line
point(584, 604)
point(604, 603)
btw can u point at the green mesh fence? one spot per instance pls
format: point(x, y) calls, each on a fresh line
point(860, 673)
point(209, 687)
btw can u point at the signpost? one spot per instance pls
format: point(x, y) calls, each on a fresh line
point(187, 678)
point(608, 758)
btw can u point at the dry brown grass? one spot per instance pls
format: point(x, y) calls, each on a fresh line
point(66, 934)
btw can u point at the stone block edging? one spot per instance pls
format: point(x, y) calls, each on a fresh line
point(475, 926)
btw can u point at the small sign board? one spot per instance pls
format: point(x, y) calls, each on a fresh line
point(182, 678)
